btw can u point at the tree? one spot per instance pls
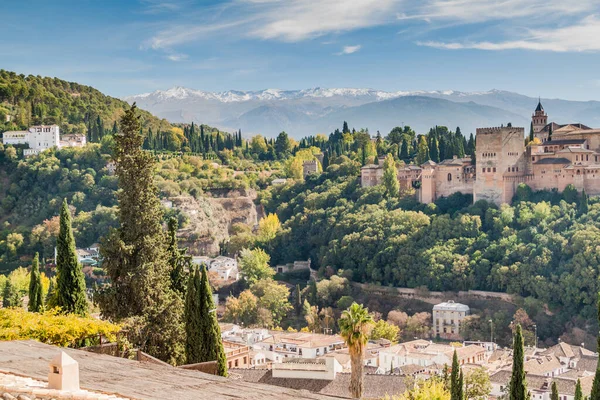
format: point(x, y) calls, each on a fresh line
point(355, 324)
point(578, 391)
point(254, 265)
point(550, 133)
point(212, 344)
point(531, 136)
point(455, 384)
point(243, 309)
point(422, 150)
point(36, 301)
point(430, 389)
point(554, 394)
point(70, 282)
point(273, 297)
point(11, 296)
point(404, 150)
point(390, 177)
point(477, 384)
point(434, 150)
point(192, 319)
point(268, 228)
point(135, 257)
point(282, 145)
point(518, 384)
point(595, 393)
point(178, 261)
point(385, 330)
point(583, 204)
point(396, 135)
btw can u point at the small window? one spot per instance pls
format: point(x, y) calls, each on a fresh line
point(55, 370)
point(489, 169)
point(449, 177)
point(532, 158)
point(494, 169)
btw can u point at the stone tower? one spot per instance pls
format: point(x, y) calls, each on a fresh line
point(539, 118)
point(500, 162)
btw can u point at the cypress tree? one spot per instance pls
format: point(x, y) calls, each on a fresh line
point(583, 204)
point(554, 394)
point(595, 393)
point(578, 391)
point(404, 150)
point(70, 283)
point(455, 389)
point(212, 344)
point(461, 395)
point(193, 328)
point(135, 255)
point(550, 133)
point(518, 384)
point(434, 150)
point(177, 258)
point(531, 132)
point(325, 160)
point(36, 302)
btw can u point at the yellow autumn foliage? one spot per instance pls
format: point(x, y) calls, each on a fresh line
point(53, 328)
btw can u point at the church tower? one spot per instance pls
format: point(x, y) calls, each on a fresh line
point(539, 118)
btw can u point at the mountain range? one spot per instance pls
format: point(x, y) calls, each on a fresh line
point(320, 110)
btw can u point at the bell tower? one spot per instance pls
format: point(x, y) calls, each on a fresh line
point(539, 118)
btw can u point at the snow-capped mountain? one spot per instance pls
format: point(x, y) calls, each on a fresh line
point(321, 110)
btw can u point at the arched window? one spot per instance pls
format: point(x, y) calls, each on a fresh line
point(449, 177)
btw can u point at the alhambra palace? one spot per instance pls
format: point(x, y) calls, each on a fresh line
point(559, 155)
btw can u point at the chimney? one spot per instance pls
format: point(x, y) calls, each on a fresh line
point(63, 373)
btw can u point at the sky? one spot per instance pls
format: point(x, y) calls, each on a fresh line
point(548, 48)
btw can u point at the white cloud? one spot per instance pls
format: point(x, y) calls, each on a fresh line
point(580, 37)
point(177, 57)
point(349, 50)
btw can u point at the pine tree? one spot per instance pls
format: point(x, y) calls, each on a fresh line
point(345, 128)
point(578, 391)
point(390, 177)
point(11, 296)
point(518, 384)
point(135, 257)
point(36, 302)
point(455, 386)
point(554, 394)
point(193, 326)
point(595, 393)
point(70, 283)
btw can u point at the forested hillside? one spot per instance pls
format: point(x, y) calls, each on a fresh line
point(542, 248)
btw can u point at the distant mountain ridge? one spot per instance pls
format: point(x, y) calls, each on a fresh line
point(321, 110)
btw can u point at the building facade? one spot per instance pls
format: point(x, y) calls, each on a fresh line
point(559, 155)
point(447, 318)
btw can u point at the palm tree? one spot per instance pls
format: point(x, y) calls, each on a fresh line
point(355, 324)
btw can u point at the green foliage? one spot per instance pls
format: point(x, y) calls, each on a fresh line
point(70, 283)
point(455, 379)
point(385, 330)
point(179, 262)
point(272, 296)
point(193, 319)
point(254, 265)
point(36, 300)
point(477, 384)
point(55, 328)
point(554, 393)
point(595, 393)
point(135, 257)
point(578, 391)
point(390, 177)
point(518, 384)
point(11, 296)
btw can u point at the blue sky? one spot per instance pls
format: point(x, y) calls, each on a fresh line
point(549, 48)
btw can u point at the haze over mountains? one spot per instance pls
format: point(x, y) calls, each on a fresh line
point(319, 110)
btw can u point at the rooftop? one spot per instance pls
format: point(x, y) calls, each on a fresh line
point(137, 380)
point(450, 305)
point(552, 160)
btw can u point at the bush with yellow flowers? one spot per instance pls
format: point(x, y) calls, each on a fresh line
point(54, 328)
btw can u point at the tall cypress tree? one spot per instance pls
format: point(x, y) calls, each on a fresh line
point(554, 394)
point(10, 296)
point(595, 394)
point(461, 395)
point(578, 391)
point(70, 283)
point(390, 177)
point(550, 133)
point(583, 203)
point(193, 325)
point(531, 132)
point(178, 259)
point(455, 386)
point(404, 150)
point(36, 301)
point(518, 384)
point(134, 255)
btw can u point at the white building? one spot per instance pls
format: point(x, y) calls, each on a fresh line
point(447, 318)
point(307, 368)
point(39, 138)
point(225, 267)
point(73, 140)
point(301, 344)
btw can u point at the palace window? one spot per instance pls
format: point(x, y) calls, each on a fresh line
point(494, 169)
point(577, 158)
point(449, 177)
point(532, 158)
point(489, 169)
